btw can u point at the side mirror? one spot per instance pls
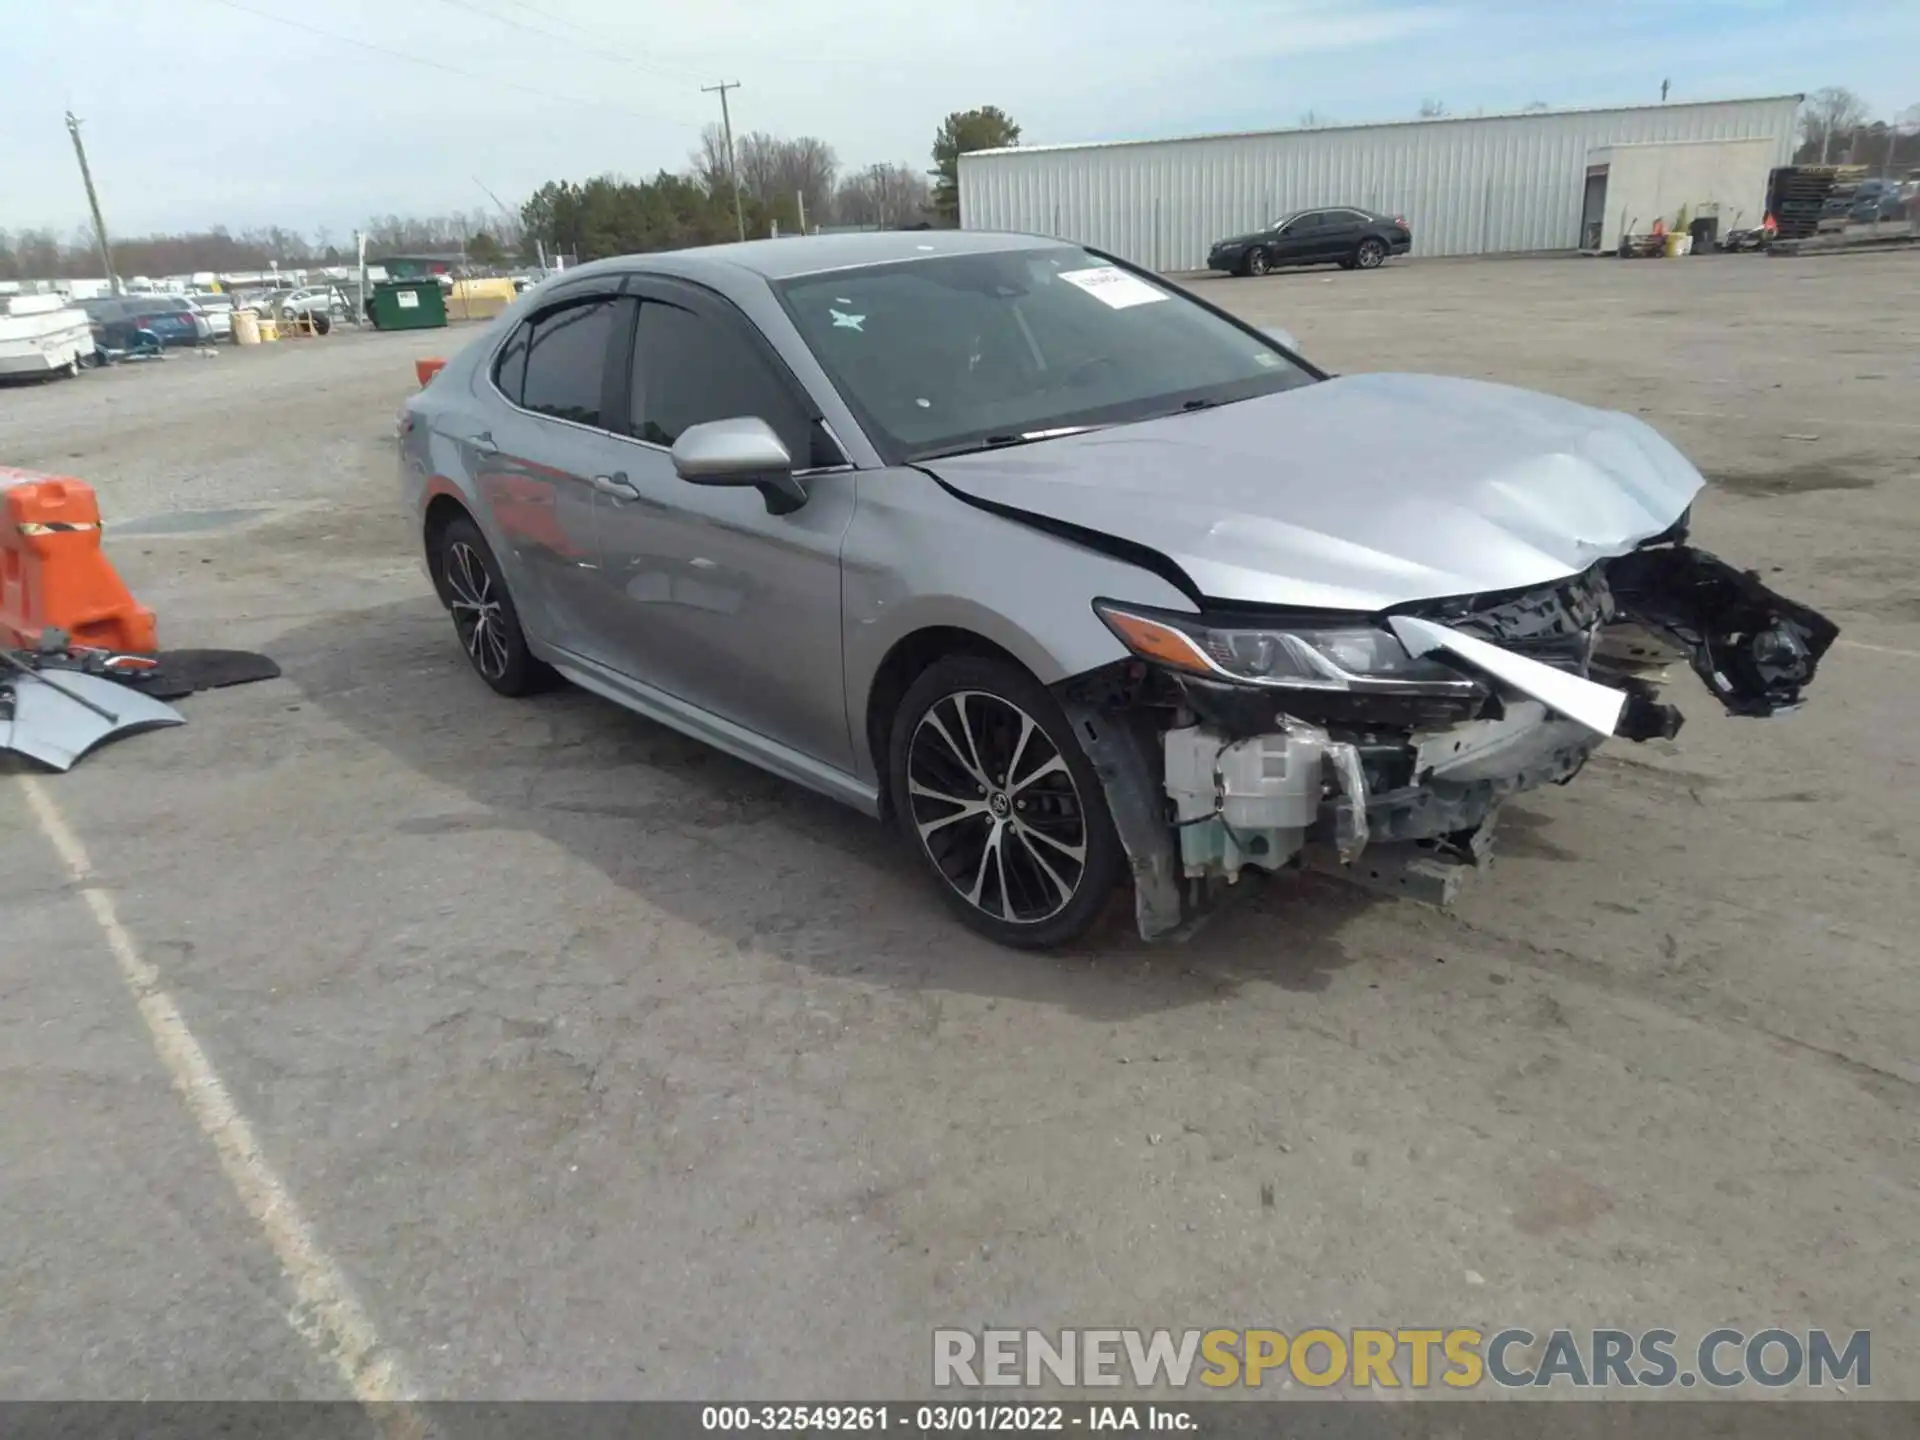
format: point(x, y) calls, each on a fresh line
point(1283, 338)
point(744, 451)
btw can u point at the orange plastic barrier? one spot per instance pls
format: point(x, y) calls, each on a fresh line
point(425, 370)
point(53, 573)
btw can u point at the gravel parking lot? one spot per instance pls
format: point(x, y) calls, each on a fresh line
point(594, 1063)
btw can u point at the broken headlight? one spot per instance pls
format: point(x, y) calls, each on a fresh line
point(1339, 657)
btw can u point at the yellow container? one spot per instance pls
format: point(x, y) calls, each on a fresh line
point(269, 330)
point(1678, 245)
point(246, 328)
point(483, 289)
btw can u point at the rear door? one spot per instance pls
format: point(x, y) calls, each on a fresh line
point(712, 599)
point(534, 468)
point(1340, 232)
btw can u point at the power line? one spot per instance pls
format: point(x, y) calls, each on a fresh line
point(442, 65)
point(604, 52)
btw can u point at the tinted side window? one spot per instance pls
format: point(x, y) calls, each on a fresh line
point(689, 368)
point(1304, 224)
point(566, 361)
point(510, 370)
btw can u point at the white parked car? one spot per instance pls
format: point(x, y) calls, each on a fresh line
point(218, 310)
point(313, 299)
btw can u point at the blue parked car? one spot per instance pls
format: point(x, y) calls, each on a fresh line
point(127, 323)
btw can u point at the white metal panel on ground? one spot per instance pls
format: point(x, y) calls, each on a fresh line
point(1466, 186)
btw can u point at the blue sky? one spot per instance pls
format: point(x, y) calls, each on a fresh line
point(198, 113)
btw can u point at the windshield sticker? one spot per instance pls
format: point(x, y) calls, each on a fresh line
point(843, 321)
point(1113, 287)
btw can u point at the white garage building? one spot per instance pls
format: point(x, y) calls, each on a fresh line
point(1467, 186)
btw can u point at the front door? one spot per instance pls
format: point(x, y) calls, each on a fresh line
point(534, 469)
point(709, 597)
point(1299, 239)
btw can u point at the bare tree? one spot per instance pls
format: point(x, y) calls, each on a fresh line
point(709, 162)
point(1831, 115)
point(883, 195)
point(1432, 109)
point(774, 170)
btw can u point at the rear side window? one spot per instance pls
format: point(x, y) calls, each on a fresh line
point(566, 361)
point(510, 370)
point(689, 369)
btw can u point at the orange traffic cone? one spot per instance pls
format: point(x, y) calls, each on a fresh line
point(425, 370)
point(1768, 224)
point(55, 576)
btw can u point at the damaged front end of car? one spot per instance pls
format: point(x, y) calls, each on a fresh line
point(1380, 748)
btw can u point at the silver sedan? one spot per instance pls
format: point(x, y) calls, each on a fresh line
point(1079, 581)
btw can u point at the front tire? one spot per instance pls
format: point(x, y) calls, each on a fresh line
point(1257, 263)
point(475, 593)
point(993, 793)
point(1371, 254)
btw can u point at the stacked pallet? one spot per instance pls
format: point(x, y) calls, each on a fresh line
point(1797, 195)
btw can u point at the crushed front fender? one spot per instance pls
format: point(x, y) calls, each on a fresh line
point(1756, 650)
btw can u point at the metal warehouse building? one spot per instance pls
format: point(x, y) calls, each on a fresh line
point(1474, 186)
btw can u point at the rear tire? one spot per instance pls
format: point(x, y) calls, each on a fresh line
point(484, 618)
point(1371, 254)
point(993, 793)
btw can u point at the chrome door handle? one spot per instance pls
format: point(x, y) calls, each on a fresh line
point(616, 485)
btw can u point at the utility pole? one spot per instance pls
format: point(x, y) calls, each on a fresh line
point(733, 170)
point(93, 203)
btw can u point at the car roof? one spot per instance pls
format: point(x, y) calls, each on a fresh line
point(817, 254)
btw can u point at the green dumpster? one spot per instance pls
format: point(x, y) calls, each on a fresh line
point(408, 305)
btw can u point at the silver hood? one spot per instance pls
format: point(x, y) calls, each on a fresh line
point(1359, 493)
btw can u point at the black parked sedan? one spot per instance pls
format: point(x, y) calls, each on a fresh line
point(1342, 235)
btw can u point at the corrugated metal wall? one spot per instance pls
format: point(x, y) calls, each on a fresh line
point(1467, 186)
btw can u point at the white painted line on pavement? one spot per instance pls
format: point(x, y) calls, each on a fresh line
point(325, 1313)
point(1810, 419)
point(1879, 649)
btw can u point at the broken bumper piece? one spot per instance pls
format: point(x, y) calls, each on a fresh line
point(55, 718)
point(1755, 650)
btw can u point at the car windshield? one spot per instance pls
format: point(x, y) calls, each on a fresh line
point(967, 352)
point(1286, 219)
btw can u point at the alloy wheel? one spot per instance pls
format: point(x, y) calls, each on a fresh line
point(476, 610)
point(996, 807)
point(1257, 263)
point(1372, 252)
